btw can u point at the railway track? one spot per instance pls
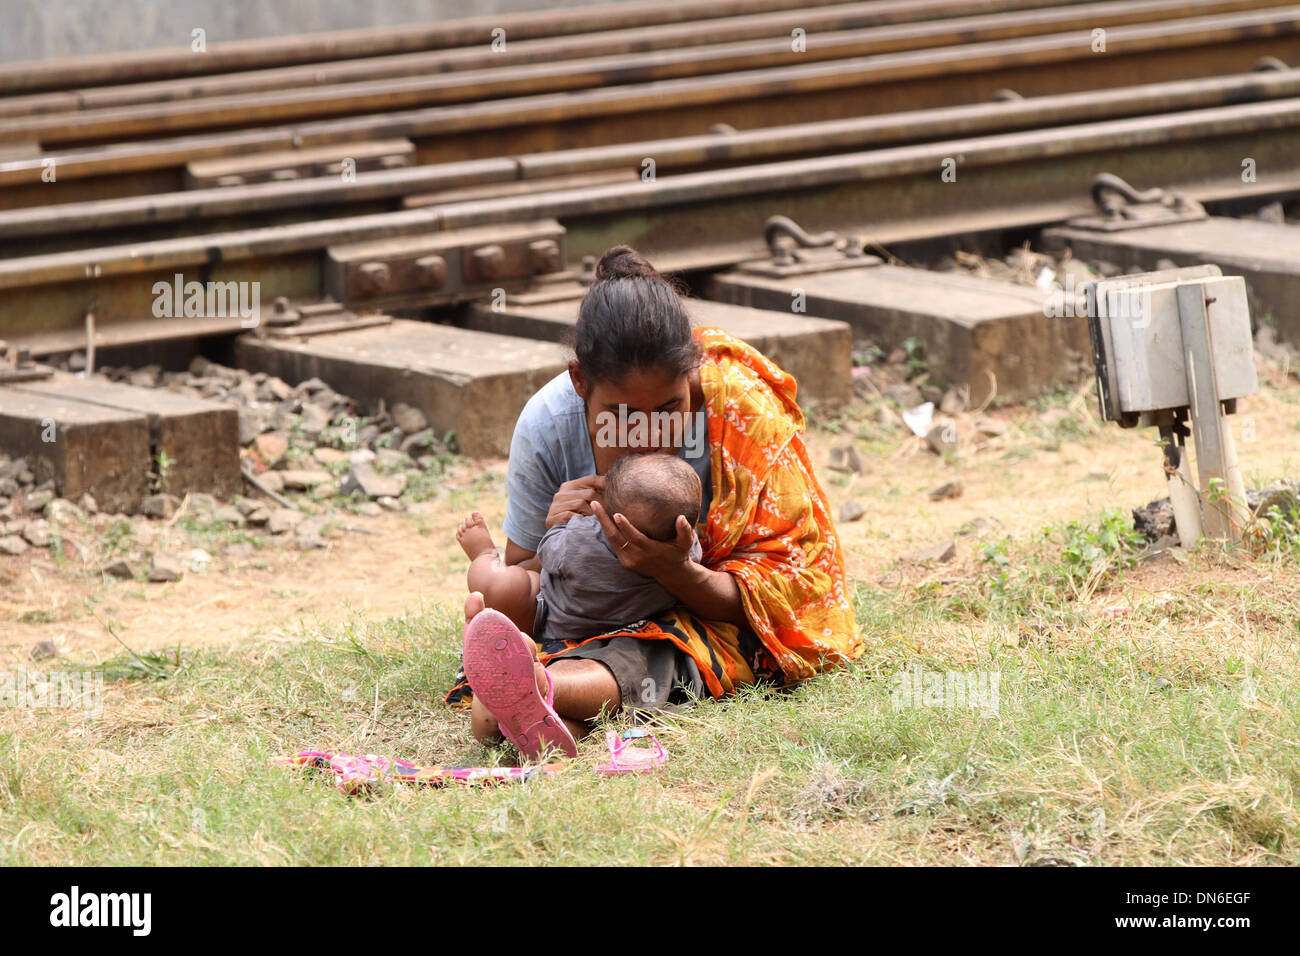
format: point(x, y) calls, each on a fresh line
point(747, 70)
point(419, 173)
point(530, 119)
point(188, 212)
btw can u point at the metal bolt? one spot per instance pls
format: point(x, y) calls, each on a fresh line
point(783, 248)
point(373, 277)
point(489, 261)
point(282, 313)
point(544, 255)
point(431, 271)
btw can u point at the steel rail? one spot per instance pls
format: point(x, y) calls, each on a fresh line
point(1233, 125)
point(691, 153)
point(623, 114)
point(837, 58)
point(224, 57)
point(816, 22)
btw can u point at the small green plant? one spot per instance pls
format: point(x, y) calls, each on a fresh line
point(164, 465)
point(145, 665)
point(1276, 531)
point(869, 354)
point(1094, 555)
point(914, 360)
point(1057, 397)
point(57, 551)
point(116, 538)
point(995, 555)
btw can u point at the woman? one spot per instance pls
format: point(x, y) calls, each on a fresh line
point(769, 600)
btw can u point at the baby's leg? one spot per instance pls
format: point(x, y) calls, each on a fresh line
point(507, 588)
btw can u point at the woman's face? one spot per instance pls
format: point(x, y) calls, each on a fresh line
point(648, 411)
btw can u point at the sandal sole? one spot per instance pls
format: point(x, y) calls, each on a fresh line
point(498, 664)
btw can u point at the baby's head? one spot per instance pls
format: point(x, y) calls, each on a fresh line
point(651, 491)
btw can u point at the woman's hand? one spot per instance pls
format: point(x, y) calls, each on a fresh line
point(574, 498)
point(661, 560)
point(714, 595)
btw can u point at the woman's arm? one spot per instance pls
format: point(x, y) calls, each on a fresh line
point(713, 595)
point(573, 498)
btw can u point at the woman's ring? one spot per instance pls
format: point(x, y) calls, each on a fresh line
point(625, 544)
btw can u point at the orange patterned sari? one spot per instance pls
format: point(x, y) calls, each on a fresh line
point(769, 526)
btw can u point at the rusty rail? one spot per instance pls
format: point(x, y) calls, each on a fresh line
point(71, 221)
point(776, 96)
point(376, 41)
point(710, 218)
point(839, 60)
point(818, 23)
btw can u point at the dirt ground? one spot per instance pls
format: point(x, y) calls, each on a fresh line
point(1053, 463)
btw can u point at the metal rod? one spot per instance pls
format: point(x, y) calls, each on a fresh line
point(1218, 517)
point(805, 174)
point(683, 152)
point(90, 342)
point(831, 33)
point(1145, 41)
point(1182, 489)
point(33, 75)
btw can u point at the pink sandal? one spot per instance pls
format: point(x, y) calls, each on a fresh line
point(626, 758)
point(498, 662)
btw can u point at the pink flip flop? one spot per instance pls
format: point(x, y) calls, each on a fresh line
point(498, 662)
point(626, 758)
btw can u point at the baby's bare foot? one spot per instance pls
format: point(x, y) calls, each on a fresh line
point(474, 536)
point(473, 604)
point(543, 682)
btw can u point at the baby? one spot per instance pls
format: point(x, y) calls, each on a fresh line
point(583, 589)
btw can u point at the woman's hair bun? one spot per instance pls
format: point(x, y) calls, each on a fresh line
point(624, 262)
point(632, 317)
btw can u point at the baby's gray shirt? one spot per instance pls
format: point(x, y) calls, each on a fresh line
point(586, 589)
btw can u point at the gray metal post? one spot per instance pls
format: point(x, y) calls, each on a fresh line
point(1220, 516)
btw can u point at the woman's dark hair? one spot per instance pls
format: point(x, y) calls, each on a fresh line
point(632, 318)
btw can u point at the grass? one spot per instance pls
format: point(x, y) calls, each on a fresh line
point(1163, 734)
point(213, 534)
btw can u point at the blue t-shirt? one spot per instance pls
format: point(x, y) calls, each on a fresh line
point(551, 445)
